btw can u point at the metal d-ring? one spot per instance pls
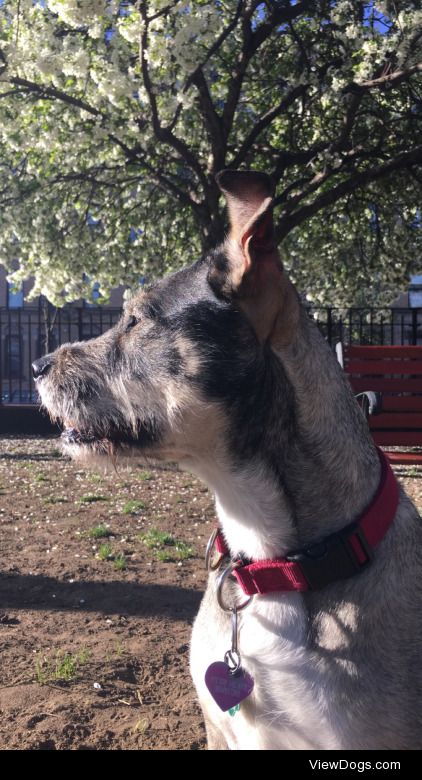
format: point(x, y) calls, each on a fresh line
point(209, 551)
point(220, 582)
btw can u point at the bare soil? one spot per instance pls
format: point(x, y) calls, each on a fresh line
point(119, 636)
point(95, 652)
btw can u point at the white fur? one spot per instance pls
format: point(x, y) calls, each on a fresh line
point(272, 629)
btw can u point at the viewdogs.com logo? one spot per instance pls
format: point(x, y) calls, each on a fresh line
point(359, 766)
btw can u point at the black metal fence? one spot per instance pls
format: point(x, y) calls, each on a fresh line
point(28, 333)
point(374, 325)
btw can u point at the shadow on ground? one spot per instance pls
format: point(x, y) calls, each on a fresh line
point(27, 591)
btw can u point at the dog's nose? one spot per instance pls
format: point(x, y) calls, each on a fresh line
point(41, 367)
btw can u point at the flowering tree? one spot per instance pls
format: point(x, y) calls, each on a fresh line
point(115, 117)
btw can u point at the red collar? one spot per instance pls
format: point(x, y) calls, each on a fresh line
point(335, 557)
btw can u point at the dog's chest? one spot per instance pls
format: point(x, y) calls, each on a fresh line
point(285, 710)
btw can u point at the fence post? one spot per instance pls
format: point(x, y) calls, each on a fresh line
point(414, 327)
point(329, 325)
point(79, 324)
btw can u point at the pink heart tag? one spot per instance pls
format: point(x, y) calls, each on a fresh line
point(227, 689)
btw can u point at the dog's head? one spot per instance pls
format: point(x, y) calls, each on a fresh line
point(191, 362)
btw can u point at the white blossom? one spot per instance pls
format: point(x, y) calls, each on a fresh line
point(90, 184)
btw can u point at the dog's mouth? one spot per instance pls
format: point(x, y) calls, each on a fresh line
point(72, 435)
point(99, 442)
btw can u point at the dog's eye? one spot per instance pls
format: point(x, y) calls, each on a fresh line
point(132, 321)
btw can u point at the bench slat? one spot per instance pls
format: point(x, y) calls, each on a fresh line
point(402, 403)
point(405, 458)
point(395, 367)
point(398, 438)
point(374, 353)
point(388, 385)
point(398, 420)
point(392, 371)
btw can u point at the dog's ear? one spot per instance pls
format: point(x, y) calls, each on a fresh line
point(249, 197)
point(250, 269)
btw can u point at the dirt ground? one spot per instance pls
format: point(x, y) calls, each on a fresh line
point(100, 580)
point(95, 650)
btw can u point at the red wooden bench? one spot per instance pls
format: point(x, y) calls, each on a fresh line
point(396, 373)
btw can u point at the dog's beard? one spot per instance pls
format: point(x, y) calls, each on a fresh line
point(83, 444)
point(99, 429)
point(94, 435)
point(109, 442)
point(103, 455)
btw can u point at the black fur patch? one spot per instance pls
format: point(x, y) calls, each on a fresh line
point(218, 274)
point(246, 378)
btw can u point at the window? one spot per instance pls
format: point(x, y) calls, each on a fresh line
point(14, 297)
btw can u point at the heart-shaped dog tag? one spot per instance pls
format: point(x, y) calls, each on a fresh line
point(226, 688)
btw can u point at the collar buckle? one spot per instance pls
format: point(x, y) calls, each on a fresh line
point(337, 557)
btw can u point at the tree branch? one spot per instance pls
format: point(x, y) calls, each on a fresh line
point(265, 121)
point(57, 94)
point(361, 179)
point(288, 159)
point(216, 45)
point(251, 42)
point(383, 81)
point(348, 122)
point(164, 134)
point(211, 120)
point(267, 118)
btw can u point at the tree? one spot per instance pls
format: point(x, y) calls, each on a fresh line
point(115, 117)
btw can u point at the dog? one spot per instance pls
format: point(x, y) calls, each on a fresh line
point(219, 367)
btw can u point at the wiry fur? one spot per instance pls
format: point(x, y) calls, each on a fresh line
point(266, 418)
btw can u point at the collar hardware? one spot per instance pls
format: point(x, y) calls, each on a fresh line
point(334, 558)
point(338, 556)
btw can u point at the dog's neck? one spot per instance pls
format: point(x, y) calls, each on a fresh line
point(253, 512)
point(327, 476)
point(333, 468)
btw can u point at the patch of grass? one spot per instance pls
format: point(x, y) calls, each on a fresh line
point(180, 551)
point(105, 552)
point(64, 666)
point(56, 500)
point(165, 547)
point(41, 478)
point(116, 652)
point(145, 476)
point(155, 539)
point(133, 507)
point(120, 562)
point(98, 532)
point(95, 478)
point(92, 498)
point(118, 649)
point(41, 676)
